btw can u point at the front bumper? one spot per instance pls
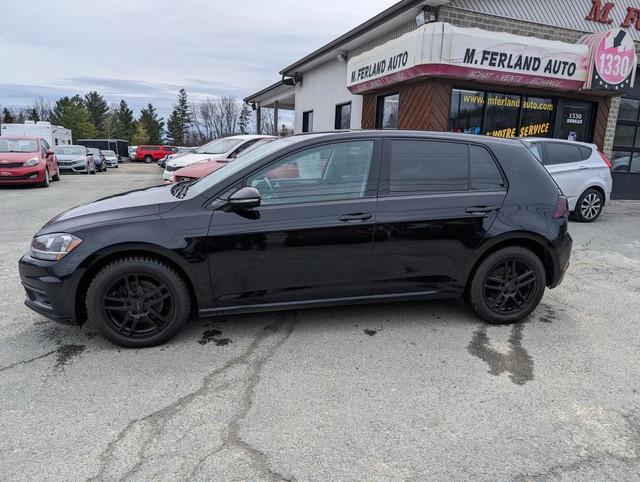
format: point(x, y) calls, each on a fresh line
point(22, 175)
point(80, 167)
point(50, 288)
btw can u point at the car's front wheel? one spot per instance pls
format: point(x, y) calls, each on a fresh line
point(56, 176)
point(589, 206)
point(507, 286)
point(138, 302)
point(148, 159)
point(47, 180)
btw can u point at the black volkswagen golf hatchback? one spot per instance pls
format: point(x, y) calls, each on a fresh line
point(307, 221)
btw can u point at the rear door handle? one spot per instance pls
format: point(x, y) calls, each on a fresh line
point(582, 168)
point(355, 217)
point(480, 209)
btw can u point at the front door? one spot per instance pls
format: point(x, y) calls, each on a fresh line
point(311, 238)
point(434, 210)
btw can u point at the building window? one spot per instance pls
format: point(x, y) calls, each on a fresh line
point(387, 111)
point(343, 116)
point(467, 111)
point(626, 143)
point(307, 121)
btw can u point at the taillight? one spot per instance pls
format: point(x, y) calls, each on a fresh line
point(605, 160)
point(562, 208)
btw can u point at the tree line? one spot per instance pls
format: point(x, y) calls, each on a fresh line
point(190, 123)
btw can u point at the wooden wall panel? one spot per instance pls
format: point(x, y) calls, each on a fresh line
point(601, 123)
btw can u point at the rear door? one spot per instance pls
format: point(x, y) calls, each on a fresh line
point(434, 209)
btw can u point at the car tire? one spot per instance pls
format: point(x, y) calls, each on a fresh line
point(56, 176)
point(148, 159)
point(47, 180)
point(138, 302)
point(507, 286)
point(589, 206)
point(93, 171)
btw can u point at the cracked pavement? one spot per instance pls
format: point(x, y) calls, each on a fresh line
point(391, 391)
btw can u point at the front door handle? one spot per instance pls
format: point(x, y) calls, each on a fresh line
point(582, 168)
point(480, 209)
point(355, 217)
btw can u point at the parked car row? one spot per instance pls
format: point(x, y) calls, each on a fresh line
point(181, 150)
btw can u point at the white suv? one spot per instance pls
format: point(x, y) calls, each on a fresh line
point(582, 172)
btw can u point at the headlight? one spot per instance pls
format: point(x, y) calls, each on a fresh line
point(31, 162)
point(54, 246)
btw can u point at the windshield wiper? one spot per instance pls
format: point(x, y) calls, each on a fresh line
point(180, 189)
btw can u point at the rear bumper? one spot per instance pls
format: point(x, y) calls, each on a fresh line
point(563, 245)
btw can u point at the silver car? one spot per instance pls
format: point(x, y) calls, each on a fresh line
point(111, 158)
point(75, 159)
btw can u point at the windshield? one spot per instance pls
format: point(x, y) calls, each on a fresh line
point(18, 145)
point(231, 168)
point(219, 146)
point(69, 150)
point(109, 153)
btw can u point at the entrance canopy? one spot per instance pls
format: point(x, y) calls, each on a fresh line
point(442, 50)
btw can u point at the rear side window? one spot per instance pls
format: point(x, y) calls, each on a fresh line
point(560, 153)
point(426, 166)
point(585, 151)
point(485, 175)
point(150, 148)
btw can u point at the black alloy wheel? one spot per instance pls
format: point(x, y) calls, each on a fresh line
point(508, 285)
point(589, 206)
point(138, 302)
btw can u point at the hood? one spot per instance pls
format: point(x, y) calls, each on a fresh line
point(12, 157)
point(192, 158)
point(144, 202)
point(200, 169)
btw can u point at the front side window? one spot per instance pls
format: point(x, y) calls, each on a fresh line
point(419, 166)
point(329, 172)
point(387, 111)
point(343, 116)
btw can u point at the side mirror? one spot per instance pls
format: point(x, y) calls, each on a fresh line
point(49, 152)
point(247, 197)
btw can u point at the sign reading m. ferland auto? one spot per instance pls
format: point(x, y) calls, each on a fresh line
point(440, 49)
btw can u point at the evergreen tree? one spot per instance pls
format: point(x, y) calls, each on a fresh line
point(7, 116)
point(97, 107)
point(126, 121)
point(71, 113)
point(141, 136)
point(180, 120)
point(245, 117)
point(153, 125)
point(33, 115)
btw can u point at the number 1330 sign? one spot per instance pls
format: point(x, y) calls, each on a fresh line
point(615, 60)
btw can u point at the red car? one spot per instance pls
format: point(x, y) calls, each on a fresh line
point(149, 154)
point(27, 160)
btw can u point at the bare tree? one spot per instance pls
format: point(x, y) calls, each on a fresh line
point(215, 117)
point(266, 121)
point(41, 107)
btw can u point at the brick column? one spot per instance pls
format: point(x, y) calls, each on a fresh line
point(614, 108)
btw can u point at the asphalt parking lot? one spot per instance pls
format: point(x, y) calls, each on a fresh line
point(420, 390)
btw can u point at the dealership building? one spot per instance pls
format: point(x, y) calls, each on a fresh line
point(504, 68)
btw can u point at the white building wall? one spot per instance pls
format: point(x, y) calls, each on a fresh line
point(320, 91)
point(325, 86)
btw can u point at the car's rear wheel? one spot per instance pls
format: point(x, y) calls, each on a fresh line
point(507, 286)
point(148, 159)
point(589, 206)
point(138, 302)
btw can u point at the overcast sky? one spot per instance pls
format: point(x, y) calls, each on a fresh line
point(145, 51)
